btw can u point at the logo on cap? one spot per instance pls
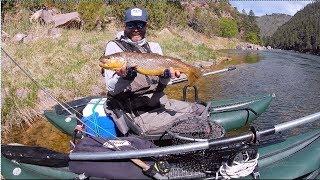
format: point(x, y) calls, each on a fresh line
point(136, 12)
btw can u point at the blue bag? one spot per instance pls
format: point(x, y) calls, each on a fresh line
point(97, 122)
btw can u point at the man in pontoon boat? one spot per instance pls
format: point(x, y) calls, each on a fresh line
point(138, 95)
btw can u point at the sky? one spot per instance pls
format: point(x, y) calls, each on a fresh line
point(263, 7)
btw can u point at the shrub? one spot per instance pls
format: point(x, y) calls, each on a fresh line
point(6, 6)
point(16, 22)
point(63, 6)
point(252, 37)
point(203, 21)
point(176, 15)
point(33, 5)
point(228, 27)
point(161, 13)
point(92, 12)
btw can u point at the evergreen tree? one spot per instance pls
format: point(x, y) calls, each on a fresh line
point(301, 32)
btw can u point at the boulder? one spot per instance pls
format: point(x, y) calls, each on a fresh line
point(36, 16)
point(22, 93)
point(4, 36)
point(29, 38)
point(203, 64)
point(18, 38)
point(46, 17)
point(54, 33)
point(68, 20)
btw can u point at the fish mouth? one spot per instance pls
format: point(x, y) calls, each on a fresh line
point(103, 65)
point(103, 62)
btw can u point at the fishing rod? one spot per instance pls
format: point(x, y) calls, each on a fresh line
point(184, 148)
point(36, 83)
point(138, 162)
point(45, 91)
point(182, 79)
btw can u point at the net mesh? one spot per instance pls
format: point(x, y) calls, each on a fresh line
point(194, 128)
point(204, 163)
point(187, 129)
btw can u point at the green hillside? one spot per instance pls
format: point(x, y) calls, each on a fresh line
point(301, 32)
point(268, 24)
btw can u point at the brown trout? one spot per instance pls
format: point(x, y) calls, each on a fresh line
point(149, 64)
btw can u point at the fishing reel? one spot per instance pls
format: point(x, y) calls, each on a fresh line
point(163, 167)
point(158, 168)
point(245, 153)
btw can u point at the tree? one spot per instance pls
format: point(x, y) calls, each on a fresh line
point(251, 13)
point(251, 16)
point(228, 27)
point(301, 32)
point(253, 38)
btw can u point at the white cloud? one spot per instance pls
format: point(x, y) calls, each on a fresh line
point(295, 6)
point(268, 7)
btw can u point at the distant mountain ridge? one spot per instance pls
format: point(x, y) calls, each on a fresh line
point(301, 32)
point(268, 24)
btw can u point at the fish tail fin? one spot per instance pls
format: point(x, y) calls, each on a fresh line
point(193, 75)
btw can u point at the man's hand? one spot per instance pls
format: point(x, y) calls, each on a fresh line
point(122, 71)
point(171, 73)
point(128, 73)
point(79, 127)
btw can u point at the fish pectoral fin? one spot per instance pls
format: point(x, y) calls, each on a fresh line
point(150, 72)
point(193, 76)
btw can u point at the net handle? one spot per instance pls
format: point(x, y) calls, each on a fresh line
point(185, 138)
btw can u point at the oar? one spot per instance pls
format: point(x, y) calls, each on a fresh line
point(214, 143)
point(179, 80)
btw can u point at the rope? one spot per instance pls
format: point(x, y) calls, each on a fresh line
point(237, 169)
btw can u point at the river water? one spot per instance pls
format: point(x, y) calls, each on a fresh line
point(294, 78)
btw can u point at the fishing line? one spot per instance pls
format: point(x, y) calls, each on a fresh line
point(61, 104)
point(37, 84)
point(47, 93)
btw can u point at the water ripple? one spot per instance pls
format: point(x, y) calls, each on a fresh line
point(293, 77)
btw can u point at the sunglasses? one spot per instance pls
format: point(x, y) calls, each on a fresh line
point(135, 25)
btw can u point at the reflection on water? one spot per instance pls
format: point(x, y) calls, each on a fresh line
point(252, 58)
point(240, 56)
point(41, 133)
point(209, 87)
